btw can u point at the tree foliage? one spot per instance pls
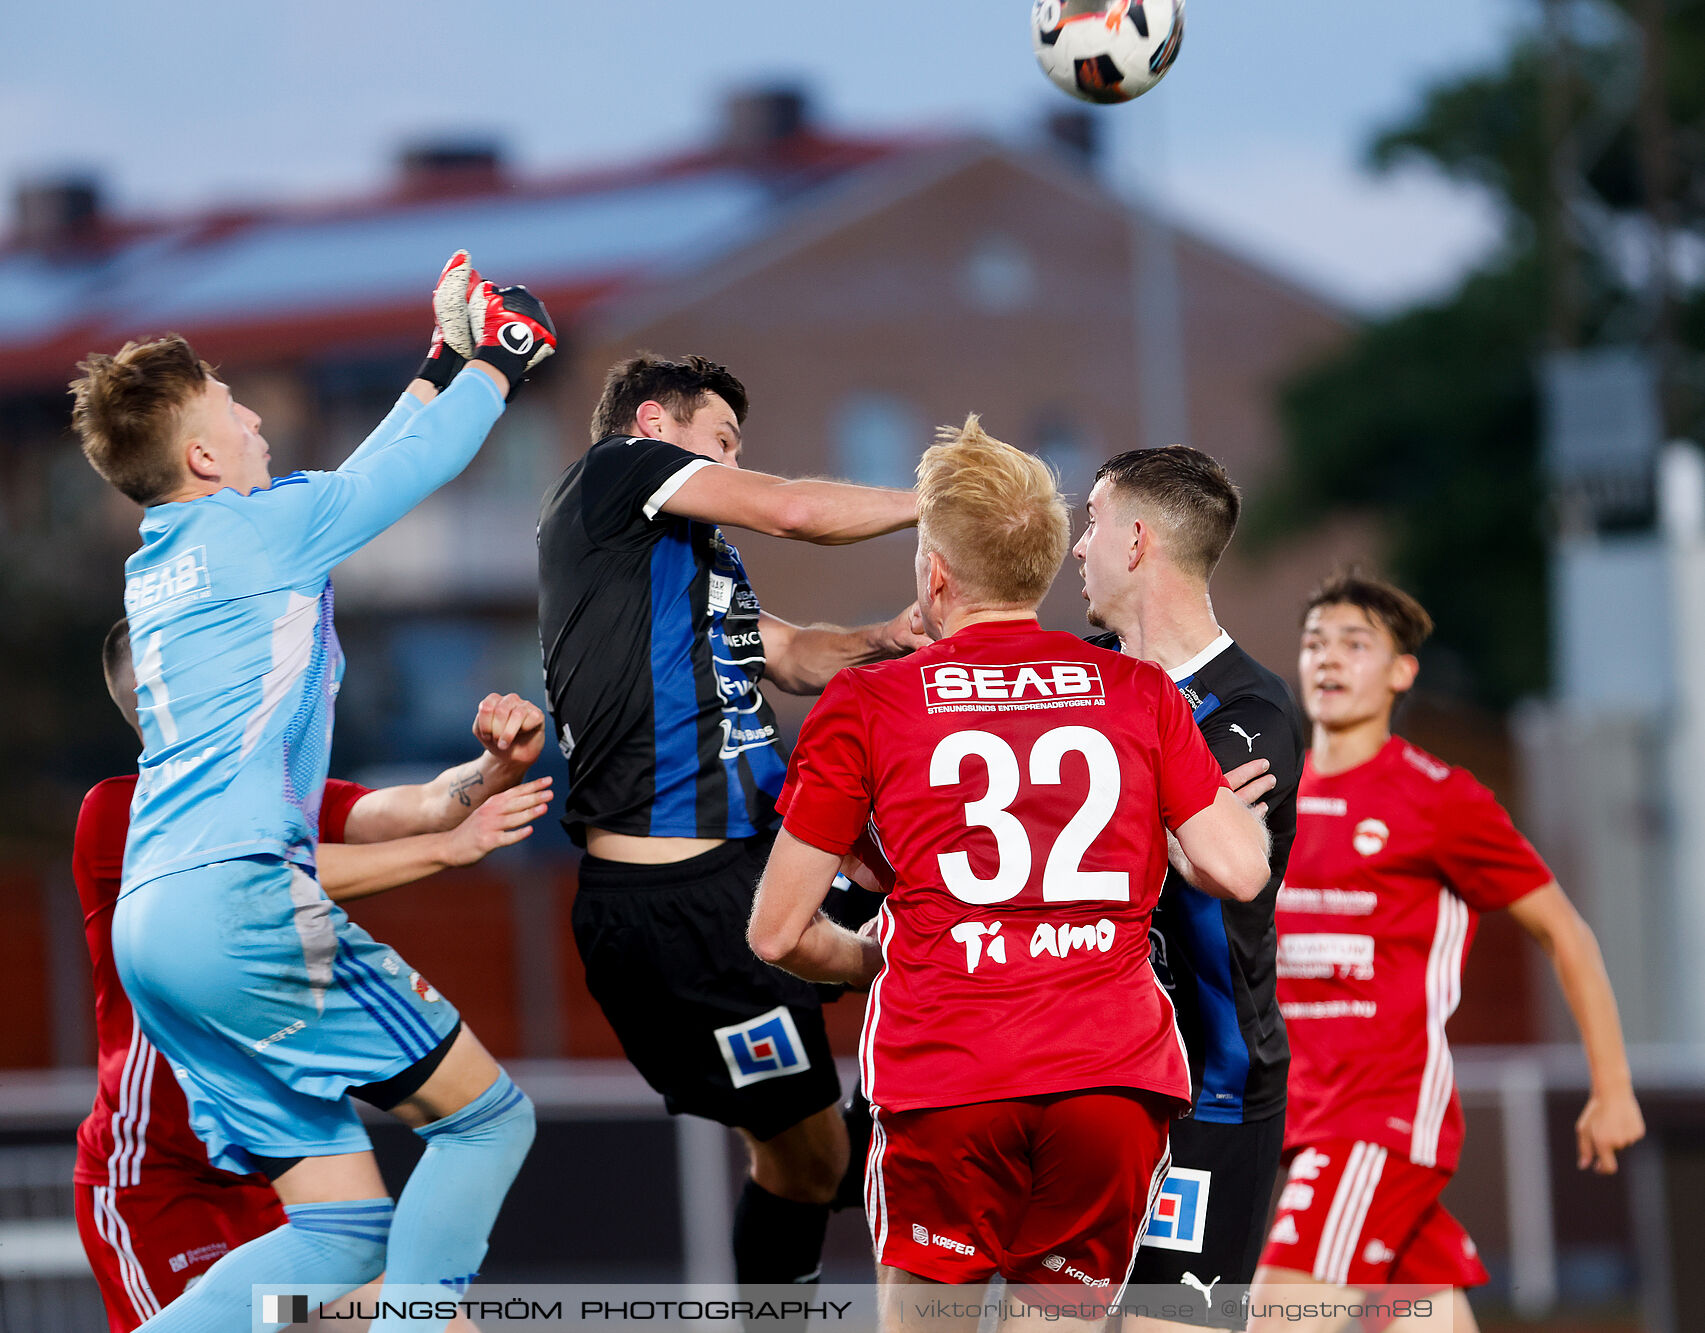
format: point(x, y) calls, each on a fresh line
point(1430, 417)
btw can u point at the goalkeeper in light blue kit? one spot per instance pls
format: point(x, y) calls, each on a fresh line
point(273, 1008)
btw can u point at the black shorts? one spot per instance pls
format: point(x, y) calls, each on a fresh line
point(720, 1033)
point(1211, 1219)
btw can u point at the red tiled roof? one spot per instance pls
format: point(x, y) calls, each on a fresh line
point(282, 281)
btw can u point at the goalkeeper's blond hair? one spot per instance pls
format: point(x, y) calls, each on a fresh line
point(128, 410)
point(994, 514)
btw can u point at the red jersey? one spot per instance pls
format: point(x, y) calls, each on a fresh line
point(139, 1126)
point(1020, 783)
point(1392, 864)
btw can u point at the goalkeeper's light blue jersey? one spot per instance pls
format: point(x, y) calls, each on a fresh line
point(237, 664)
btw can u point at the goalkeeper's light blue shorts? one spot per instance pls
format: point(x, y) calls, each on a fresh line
point(270, 1004)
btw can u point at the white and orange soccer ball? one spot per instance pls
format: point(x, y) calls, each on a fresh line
point(1106, 50)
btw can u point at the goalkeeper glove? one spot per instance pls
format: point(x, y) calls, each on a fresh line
point(452, 337)
point(512, 331)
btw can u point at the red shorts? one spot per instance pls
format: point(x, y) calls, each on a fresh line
point(1358, 1215)
point(1038, 1189)
point(147, 1242)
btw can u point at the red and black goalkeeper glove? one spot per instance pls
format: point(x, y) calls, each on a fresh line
point(452, 335)
point(512, 330)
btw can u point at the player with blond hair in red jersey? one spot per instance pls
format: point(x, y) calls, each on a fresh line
point(1396, 855)
point(153, 1213)
point(1020, 1054)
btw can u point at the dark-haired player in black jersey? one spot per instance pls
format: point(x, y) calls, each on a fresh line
point(1159, 520)
point(654, 646)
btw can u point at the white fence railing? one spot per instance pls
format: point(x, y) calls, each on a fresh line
point(38, 1238)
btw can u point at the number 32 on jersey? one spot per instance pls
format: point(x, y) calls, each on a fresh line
point(1063, 878)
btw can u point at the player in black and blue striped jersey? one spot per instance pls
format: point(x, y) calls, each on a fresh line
point(654, 648)
point(1159, 520)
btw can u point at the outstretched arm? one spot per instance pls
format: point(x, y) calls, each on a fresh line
point(348, 872)
point(829, 513)
point(802, 659)
point(511, 732)
point(446, 354)
point(1611, 1120)
point(418, 394)
point(316, 526)
point(312, 522)
point(787, 930)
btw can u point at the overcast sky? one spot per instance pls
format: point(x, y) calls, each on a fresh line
point(1255, 136)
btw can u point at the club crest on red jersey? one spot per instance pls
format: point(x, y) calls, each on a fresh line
point(1370, 837)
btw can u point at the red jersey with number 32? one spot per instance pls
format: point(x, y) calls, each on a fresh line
point(1393, 862)
point(1020, 782)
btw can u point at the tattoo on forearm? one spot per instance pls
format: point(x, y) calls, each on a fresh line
point(459, 790)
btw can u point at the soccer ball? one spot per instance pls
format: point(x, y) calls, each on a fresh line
point(1106, 50)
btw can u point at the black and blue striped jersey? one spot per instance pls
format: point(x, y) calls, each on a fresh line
point(652, 654)
point(1218, 959)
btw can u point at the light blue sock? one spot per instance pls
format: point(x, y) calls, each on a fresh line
point(445, 1213)
point(323, 1244)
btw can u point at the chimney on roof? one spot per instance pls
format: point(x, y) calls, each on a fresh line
point(1074, 135)
point(758, 119)
point(451, 166)
point(61, 211)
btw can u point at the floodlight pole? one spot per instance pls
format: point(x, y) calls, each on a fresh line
point(1654, 135)
point(1562, 168)
point(1681, 502)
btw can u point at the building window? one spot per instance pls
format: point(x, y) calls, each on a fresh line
point(75, 493)
point(998, 276)
point(1064, 442)
point(878, 439)
point(414, 684)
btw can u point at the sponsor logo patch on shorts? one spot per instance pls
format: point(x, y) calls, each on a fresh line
point(922, 1235)
point(201, 1254)
point(1308, 1164)
point(1056, 1263)
point(1378, 1252)
point(1181, 1212)
point(767, 1046)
